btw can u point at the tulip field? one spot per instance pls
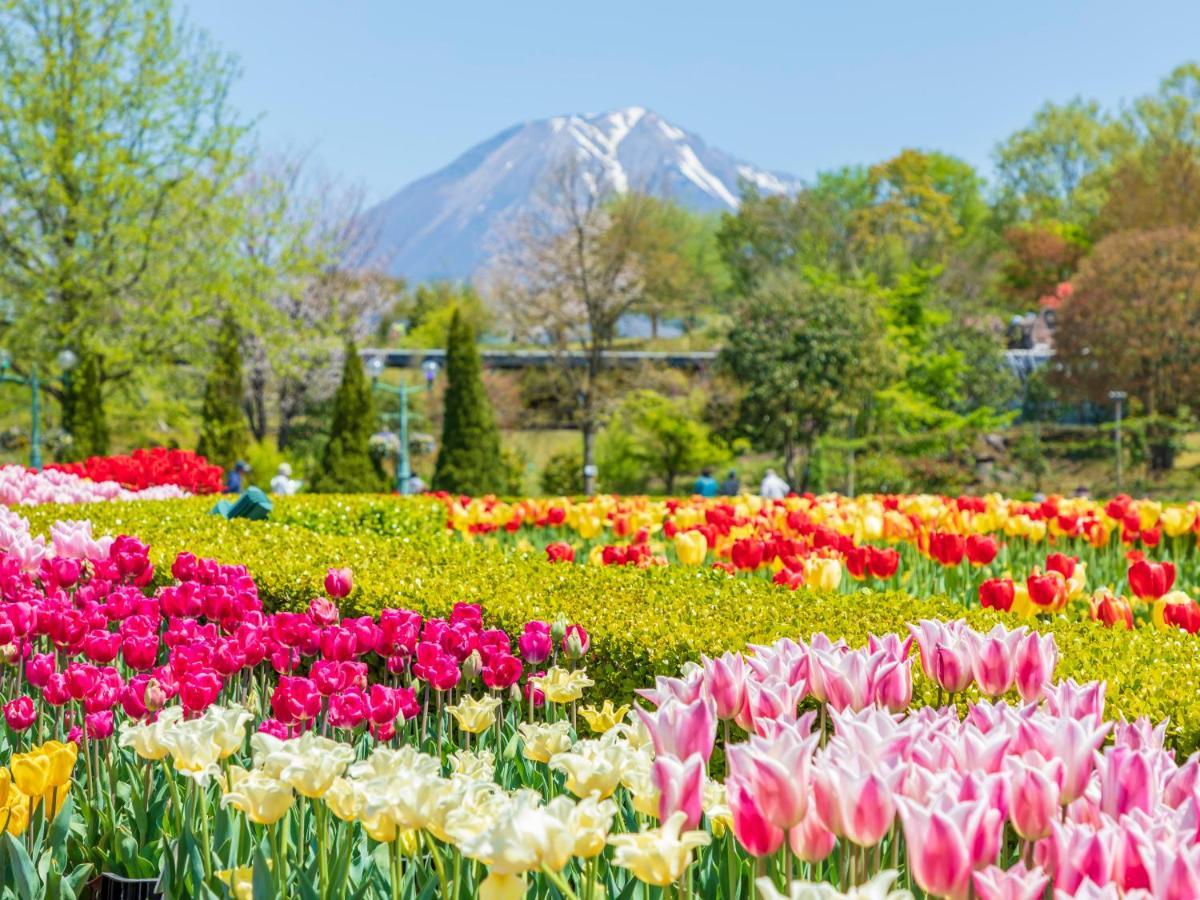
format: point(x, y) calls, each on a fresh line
point(447, 697)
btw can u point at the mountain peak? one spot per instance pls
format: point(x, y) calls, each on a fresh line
point(443, 225)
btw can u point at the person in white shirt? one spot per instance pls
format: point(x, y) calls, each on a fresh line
point(773, 487)
point(283, 483)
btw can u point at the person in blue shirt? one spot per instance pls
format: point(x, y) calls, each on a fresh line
point(235, 478)
point(706, 485)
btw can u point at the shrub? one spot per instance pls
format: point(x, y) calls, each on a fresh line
point(563, 474)
point(223, 432)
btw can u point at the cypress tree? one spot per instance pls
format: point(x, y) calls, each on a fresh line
point(346, 465)
point(469, 460)
point(222, 422)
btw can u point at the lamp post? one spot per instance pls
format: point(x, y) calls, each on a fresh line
point(1117, 397)
point(66, 361)
point(374, 367)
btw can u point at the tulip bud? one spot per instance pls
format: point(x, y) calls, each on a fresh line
point(9, 654)
point(471, 667)
point(559, 629)
point(155, 697)
point(514, 694)
point(573, 647)
point(339, 583)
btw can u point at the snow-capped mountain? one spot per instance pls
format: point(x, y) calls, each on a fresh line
point(446, 224)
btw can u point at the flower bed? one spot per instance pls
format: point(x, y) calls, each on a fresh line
point(24, 487)
point(168, 727)
point(1112, 562)
point(642, 621)
point(144, 469)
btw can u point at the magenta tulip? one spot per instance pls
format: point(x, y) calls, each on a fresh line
point(20, 713)
point(339, 583)
point(757, 836)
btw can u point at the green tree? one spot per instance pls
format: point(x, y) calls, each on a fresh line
point(347, 465)
point(223, 434)
point(118, 164)
point(469, 459)
point(650, 435)
point(808, 353)
point(1059, 166)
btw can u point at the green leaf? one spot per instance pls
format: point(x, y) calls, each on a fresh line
point(24, 874)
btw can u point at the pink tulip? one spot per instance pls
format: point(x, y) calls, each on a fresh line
point(1075, 701)
point(929, 635)
point(937, 851)
point(952, 666)
point(1017, 883)
point(1035, 659)
point(725, 683)
point(858, 805)
point(1032, 797)
point(767, 703)
point(757, 836)
point(776, 772)
point(339, 583)
point(322, 611)
point(1128, 781)
point(1079, 853)
point(993, 659)
point(680, 787)
point(846, 678)
point(892, 685)
point(810, 840)
point(679, 729)
point(535, 642)
point(1175, 873)
point(19, 713)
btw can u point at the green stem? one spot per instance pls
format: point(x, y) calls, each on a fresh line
point(438, 865)
point(561, 883)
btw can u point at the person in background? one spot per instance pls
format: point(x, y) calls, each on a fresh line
point(773, 487)
point(706, 485)
point(416, 484)
point(731, 486)
point(235, 480)
point(283, 483)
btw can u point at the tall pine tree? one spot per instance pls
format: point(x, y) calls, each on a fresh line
point(347, 466)
point(223, 424)
point(84, 418)
point(469, 460)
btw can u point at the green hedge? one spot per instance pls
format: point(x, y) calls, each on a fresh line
point(643, 621)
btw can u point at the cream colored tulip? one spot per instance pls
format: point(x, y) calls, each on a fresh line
point(591, 821)
point(475, 715)
point(658, 856)
point(478, 765)
point(592, 767)
point(562, 686)
point(146, 738)
point(344, 799)
point(230, 728)
point(545, 741)
point(264, 800)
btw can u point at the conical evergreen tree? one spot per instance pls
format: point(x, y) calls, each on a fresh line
point(223, 433)
point(347, 465)
point(469, 460)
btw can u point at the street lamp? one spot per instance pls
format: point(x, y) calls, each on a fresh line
point(375, 366)
point(67, 360)
point(1117, 397)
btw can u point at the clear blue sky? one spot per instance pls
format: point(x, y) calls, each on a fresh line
point(384, 91)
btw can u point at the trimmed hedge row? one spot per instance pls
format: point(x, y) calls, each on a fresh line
point(643, 622)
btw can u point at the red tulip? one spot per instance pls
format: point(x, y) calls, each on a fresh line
point(858, 562)
point(997, 593)
point(1112, 610)
point(501, 672)
point(1047, 591)
point(1151, 580)
point(1185, 615)
point(1062, 564)
point(948, 549)
point(981, 549)
point(560, 551)
point(883, 563)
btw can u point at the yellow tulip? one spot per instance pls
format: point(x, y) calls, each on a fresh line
point(31, 773)
point(658, 856)
point(263, 799)
point(1177, 520)
point(5, 786)
point(545, 741)
point(240, 881)
point(591, 821)
point(600, 720)
point(823, 573)
point(475, 715)
point(1148, 513)
point(502, 886)
point(691, 547)
point(62, 761)
point(561, 686)
point(17, 814)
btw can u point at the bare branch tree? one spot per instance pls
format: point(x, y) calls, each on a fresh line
point(566, 275)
